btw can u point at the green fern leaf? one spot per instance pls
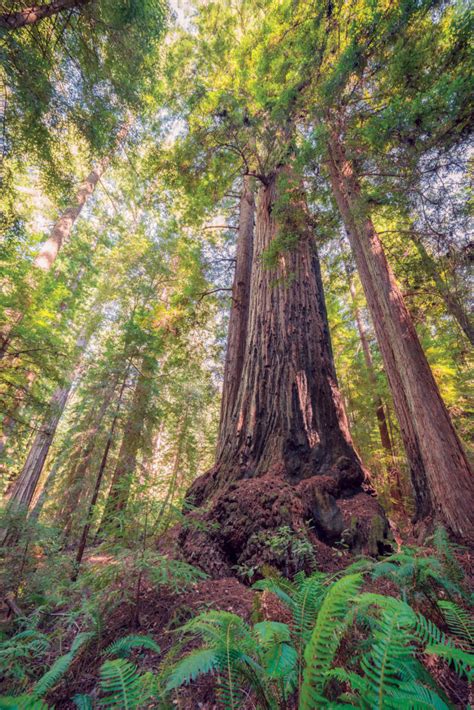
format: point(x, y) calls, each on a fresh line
point(463, 661)
point(193, 665)
point(22, 702)
point(60, 666)
point(123, 646)
point(323, 644)
point(460, 623)
point(83, 702)
point(121, 684)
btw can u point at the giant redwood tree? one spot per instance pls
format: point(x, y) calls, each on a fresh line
point(286, 458)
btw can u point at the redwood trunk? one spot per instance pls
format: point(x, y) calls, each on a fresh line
point(35, 13)
point(439, 467)
point(24, 487)
point(288, 415)
point(131, 442)
point(286, 457)
point(238, 319)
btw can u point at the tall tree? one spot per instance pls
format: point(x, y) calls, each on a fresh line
point(439, 467)
point(239, 311)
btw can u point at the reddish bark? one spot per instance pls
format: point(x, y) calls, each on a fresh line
point(439, 468)
point(33, 14)
point(238, 319)
point(286, 455)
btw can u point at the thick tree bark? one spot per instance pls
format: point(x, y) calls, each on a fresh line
point(239, 312)
point(132, 440)
point(33, 14)
point(439, 467)
point(287, 457)
point(288, 414)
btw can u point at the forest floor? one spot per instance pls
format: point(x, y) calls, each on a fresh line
point(159, 613)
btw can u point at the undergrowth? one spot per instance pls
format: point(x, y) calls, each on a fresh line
point(339, 644)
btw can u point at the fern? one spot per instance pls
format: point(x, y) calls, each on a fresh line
point(460, 623)
point(381, 666)
point(196, 663)
point(122, 647)
point(445, 552)
point(60, 666)
point(321, 649)
point(121, 684)
point(463, 661)
point(22, 702)
point(83, 702)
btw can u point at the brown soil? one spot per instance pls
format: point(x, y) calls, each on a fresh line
point(243, 526)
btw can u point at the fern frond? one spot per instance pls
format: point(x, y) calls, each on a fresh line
point(120, 683)
point(83, 702)
point(321, 649)
point(390, 650)
point(463, 661)
point(460, 623)
point(415, 696)
point(196, 663)
point(22, 702)
point(123, 646)
point(60, 666)
point(283, 592)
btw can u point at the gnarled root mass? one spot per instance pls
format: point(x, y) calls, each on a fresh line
point(268, 520)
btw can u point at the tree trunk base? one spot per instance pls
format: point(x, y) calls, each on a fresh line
point(269, 521)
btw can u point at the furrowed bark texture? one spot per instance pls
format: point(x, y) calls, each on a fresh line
point(33, 14)
point(239, 312)
point(439, 468)
point(286, 456)
point(288, 414)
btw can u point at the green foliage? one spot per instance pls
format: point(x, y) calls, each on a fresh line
point(460, 622)
point(122, 647)
point(326, 637)
point(18, 650)
point(120, 684)
point(60, 666)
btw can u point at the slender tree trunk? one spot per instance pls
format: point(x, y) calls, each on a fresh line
point(60, 234)
point(131, 442)
point(238, 319)
point(439, 467)
point(385, 439)
point(33, 14)
point(453, 304)
point(41, 500)
point(95, 492)
point(24, 487)
point(78, 471)
point(379, 408)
